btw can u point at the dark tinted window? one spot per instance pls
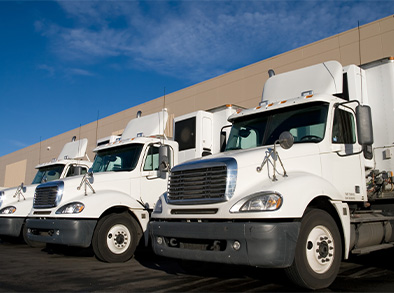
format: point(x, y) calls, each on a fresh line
point(185, 133)
point(48, 173)
point(121, 158)
point(306, 122)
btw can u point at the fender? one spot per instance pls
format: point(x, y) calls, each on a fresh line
point(310, 186)
point(96, 204)
point(23, 208)
point(313, 187)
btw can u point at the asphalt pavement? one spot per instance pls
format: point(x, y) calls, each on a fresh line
point(66, 269)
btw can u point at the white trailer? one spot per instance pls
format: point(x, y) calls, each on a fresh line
point(110, 207)
point(306, 178)
point(16, 203)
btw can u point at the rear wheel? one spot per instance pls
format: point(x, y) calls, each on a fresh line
point(115, 238)
point(318, 252)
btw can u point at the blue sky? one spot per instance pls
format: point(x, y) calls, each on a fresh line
point(65, 63)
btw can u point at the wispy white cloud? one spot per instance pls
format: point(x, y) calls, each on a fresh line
point(15, 143)
point(79, 71)
point(198, 39)
point(50, 70)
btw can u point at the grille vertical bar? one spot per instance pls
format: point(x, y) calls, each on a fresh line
point(200, 182)
point(206, 183)
point(48, 195)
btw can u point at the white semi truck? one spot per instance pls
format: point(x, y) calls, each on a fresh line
point(305, 181)
point(16, 203)
point(110, 207)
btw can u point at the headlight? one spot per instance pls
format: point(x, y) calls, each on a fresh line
point(71, 208)
point(262, 201)
point(158, 207)
point(8, 210)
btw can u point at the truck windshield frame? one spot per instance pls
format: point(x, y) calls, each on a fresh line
point(48, 173)
point(117, 159)
point(306, 122)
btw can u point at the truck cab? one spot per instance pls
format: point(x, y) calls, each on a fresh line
point(294, 187)
point(16, 203)
point(109, 208)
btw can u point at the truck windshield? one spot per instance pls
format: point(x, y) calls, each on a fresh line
point(48, 173)
point(123, 158)
point(306, 122)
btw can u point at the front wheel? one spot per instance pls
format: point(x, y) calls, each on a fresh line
point(115, 238)
point(318, 252)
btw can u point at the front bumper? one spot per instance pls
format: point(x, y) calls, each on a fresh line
point(262, 244)
point(11, 226)
point(72, 232)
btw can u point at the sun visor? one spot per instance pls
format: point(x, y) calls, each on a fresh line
point(323, 78)
point(153, 124)
point(74, 149)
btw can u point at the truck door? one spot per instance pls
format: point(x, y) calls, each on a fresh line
point(153, 182)
point(344, 164)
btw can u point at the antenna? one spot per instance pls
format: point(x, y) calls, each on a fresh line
point(164, 98)
point(359, 66)
point(79, 143)
point(359, 42)
point(39, 153)
point(79, 134)
point(164, 106)
point(98, 112)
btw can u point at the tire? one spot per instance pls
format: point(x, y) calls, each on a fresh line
point(29, 242)
point(115, 238)
point(318, 252)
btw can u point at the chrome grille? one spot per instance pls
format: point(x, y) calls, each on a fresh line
point(48, 195)
point(199, 182)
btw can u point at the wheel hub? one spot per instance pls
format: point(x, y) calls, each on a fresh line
point(320, 249)
point(118, 239)
point(323, 248)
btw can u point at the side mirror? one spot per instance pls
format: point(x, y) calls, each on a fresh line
point(364, 125)
point(286, 140)
point(90, 175)
point(23, 188)
point(163, 158)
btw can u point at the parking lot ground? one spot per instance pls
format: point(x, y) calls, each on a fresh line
point(56, 268)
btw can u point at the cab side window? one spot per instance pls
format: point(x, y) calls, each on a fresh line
point(72, 171)
point(343, 131)
point(152, 159)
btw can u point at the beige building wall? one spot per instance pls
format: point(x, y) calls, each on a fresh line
point(15, 173)
point(241, 87)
